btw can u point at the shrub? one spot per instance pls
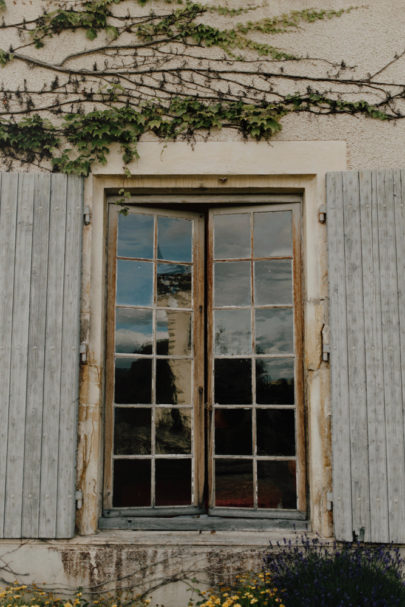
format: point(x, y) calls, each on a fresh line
point(351, 575)
point(250, 590)
point(24, 595)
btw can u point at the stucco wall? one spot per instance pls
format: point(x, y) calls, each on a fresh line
point(366, 39)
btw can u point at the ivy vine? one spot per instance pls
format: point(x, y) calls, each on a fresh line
point(167, 68)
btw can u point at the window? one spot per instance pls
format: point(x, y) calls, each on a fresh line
point(204, 408)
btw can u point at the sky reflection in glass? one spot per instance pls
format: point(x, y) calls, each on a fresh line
point(134, 282)
point(231, 236)
point(174, 239)
point(135, 236)
point(133, 332)
point(272, 234)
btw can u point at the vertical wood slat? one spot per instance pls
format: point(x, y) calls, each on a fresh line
point(342, 489)
point(367, 419)
point(19, 358)
point(39, 352)
point(8, 222)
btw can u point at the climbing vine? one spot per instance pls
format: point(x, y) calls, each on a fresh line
point(168, 67)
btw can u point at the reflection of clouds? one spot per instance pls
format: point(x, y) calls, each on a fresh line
point(135, 235)
point(130, 341)
point(127, 317)
point(232, 332)
point(275, 369)
point(272, 234)
point(273, 282)
point(232, 236)
point(274, 331)
point(232, 283)
point(174, 238)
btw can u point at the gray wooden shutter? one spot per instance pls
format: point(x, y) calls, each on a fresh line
point(366, 238)
point(40, 262)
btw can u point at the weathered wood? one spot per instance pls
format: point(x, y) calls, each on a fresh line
point(70, 327)
point(368, 352)
point(8, 220)
point(53, 359)
point(36, 351)
point(40, 263)
point(391, 358)
point(356, 357)
point(342, 489)
point(19, 349)
point(373, 353)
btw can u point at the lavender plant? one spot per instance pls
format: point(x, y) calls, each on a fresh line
point(311, 574)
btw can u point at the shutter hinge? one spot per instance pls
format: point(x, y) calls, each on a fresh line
point(329, 501)
point(86, 216)
point(322, 215)
point(325, 343)
point(83, 351)
point(79, 499)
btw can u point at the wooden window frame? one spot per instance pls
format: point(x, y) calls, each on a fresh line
point(219, 516)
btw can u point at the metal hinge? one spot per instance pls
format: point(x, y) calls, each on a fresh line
point(79, 499)
point(83, 352)
point(329, 501)
point(322, 215)
point(86, 216)
point(325, 343)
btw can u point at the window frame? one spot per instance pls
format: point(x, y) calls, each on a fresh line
point(143, 517)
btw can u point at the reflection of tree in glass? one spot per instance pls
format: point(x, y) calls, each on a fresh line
point(273, 390)
point(173, 433)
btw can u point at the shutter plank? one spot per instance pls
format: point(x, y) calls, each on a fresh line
point(400, 246)
point(373, 358)
point(19, 351)
point(36, 358)
point(356, 356)
point(339, 373)
point(53, 358)
point(8, 222)
point(70, 361)
point(391, 357)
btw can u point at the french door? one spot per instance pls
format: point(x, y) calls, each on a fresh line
point(204, 408)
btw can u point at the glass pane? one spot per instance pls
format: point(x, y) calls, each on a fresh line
point(272, 234)
point(276, 485)
point(133, 331)
point(233, 332)
point(233, 381)
point(275, 432)
point(133, 380)
point(174, 238)
point(173, 430)
point(234, 483)
point(132, 431)
point(173, 332)
point(233, 432)
point(273, 282)
point(173, 382)
point(135, 236)
point(173, 482)
point(275, 331)
point(173, 285)
point(275, 381)
point(232, 283)
point(231, 236)
point(131, 483)
point(134, 283)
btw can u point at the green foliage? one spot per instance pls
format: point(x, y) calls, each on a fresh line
point(5, 57)
point(2, 4)
point(33, 138)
